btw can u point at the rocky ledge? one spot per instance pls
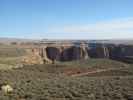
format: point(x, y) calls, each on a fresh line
point(51, 53)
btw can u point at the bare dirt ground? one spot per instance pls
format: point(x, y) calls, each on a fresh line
point(84, 72)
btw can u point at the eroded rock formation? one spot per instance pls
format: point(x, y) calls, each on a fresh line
point(99, 51)
point(51, 54)
point(32, 57)
point(121, 52)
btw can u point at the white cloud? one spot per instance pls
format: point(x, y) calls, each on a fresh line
point(118, 28)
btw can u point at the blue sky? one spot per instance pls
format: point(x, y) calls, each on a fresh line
point(66, 19)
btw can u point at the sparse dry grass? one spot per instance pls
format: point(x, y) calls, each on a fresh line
point(46, 82)
point(10, 56)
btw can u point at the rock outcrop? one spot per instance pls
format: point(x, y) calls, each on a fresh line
point(73, 53)
point(6, 88)
point(44, 55)
point(51, 54)
point(98, 51)
point(121, 53)
point(32, 57)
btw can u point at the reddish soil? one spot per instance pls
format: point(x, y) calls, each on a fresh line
point(75, 72)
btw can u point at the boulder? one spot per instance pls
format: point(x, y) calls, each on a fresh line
point(6, 88)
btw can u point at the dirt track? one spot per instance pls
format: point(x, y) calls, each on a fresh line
point(76, 72)
point(92, 72)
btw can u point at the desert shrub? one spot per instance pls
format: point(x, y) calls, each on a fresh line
point(46, 82)
point(96, 63)
point(11, 51)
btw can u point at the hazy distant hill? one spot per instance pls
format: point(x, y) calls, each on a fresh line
point(114, 41)
point(18, 40)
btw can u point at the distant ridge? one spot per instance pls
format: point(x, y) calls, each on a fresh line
point(7, 40)
point(18, 40)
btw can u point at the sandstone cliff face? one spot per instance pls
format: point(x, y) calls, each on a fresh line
point(98, 51)
point(44, 55)
point(112, 51)
point(51, 54)
point(66, 53)
point(122, 53)
point(74, 53)
point(32, 57)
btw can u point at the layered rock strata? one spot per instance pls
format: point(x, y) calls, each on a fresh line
point(51, 54)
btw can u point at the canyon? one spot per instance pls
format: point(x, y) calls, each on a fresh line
point(45, 70)
point(53, 52)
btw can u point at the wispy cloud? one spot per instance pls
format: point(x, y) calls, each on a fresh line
point(118, 28)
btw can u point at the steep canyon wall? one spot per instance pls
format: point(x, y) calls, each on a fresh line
point(51, 54)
